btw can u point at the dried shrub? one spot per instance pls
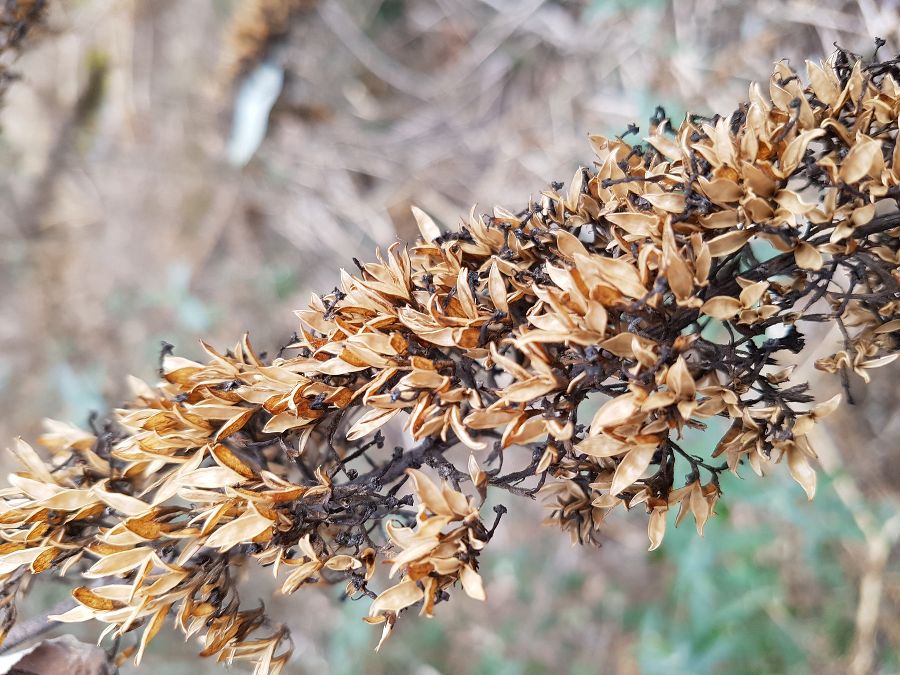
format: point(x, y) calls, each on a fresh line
point(673, 281)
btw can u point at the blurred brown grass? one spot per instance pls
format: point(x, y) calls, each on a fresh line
point(123, 224)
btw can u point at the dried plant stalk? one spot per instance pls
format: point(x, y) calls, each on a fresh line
point(671, 284)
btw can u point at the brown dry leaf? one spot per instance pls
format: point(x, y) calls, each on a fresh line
point(282, 422)
point(242, 529)
point(31, 461)
point(679, 379)
point(478, 476)
point(212, 477)
point(370, 422)
point(667, 147)
point(672, 202)
point(497, 288)
point(613, 412)
point(808, 257)
point(125, 504)
point(632, 467)
point(752, 293)
point(226, 458)
point(864, 159)
point(602, 446)
point(119, 563)
point(429, 229)
point(656, 527)
point(300, 575)
point(622, 275)
point(642, 224)
point(888, 327)
point(700, 507)
point(45, 560)
point(801, 470)
point(150, 632)
point(529, 390)
point(233, 425)
point(824, 83)
point(721, 190)
point(570, 246)
point(471, 583)
point(396, 598)
point(342, 563)
point(462, 433)
point(429, 494)
point(728, 243)
point(721, 307)
point(793, 155)
point(92, 600)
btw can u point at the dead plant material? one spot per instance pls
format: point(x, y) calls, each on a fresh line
point(671, 283)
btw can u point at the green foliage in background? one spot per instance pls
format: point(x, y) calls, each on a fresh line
point(767, 590)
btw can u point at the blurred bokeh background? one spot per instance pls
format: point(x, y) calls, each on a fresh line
point(171, 170)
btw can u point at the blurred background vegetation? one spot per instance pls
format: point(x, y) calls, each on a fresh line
point(170, 170)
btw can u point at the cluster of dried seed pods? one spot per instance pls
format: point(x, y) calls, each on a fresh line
point(560, 351)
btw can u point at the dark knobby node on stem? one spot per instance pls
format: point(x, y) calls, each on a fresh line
point(559, 352)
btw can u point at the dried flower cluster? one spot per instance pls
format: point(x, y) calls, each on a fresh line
point(561, 350)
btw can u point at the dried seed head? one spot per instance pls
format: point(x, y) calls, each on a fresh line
point(583, 335)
